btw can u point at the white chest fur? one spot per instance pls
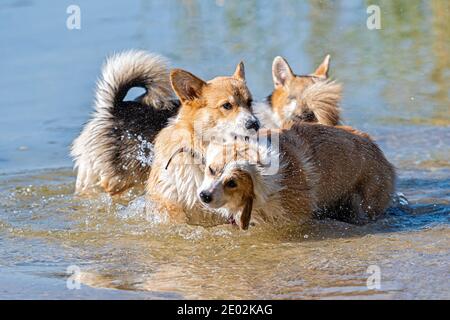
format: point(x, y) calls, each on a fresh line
point(179, 183)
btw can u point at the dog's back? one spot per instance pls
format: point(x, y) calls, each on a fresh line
point(347, 175)
point(298, 172)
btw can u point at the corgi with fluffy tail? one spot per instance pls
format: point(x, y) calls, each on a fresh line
point(115, 148)
point(301, 98)
point(312, 98)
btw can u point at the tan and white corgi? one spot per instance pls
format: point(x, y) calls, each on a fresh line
point(323, 170)
point(300, 98)
point(312, 98)
point(219, 109)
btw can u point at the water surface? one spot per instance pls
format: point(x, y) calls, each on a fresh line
point(395, 88)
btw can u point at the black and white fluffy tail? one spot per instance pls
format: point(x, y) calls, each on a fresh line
point(114, 148)
point(129, 69)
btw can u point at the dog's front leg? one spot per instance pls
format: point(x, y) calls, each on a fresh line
point(175, 213)
point(165, 211)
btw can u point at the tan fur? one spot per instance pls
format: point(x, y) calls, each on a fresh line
point(311, 98)
point(202, 117)
point(323, 170)
point(322, 70)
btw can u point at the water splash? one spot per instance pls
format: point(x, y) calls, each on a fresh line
point(145, 152)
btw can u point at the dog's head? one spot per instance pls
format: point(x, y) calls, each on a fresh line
point(221, 107)
point(229, 180)
point(304, 98)
point(231, 187)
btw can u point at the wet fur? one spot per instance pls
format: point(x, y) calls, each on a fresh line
point(174, 187)
point(324, 171)
point(115, 148)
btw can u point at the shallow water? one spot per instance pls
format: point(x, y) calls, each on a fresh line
point(396, 88)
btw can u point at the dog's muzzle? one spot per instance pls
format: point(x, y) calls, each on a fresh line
point(205, 196)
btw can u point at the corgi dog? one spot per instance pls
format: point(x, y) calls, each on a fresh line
point(309, 98)
point(217, 109)
point(301, 98)
point(115, 148)
point(323, 171)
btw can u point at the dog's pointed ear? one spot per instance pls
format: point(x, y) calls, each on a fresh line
point(281, 72)
point(246, 214)
point(239, 73)
point(186, 86)
point(322, 70)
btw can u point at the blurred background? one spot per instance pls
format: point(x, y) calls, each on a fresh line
point(396, 77)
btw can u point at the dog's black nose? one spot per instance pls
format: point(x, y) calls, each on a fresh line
point(252, 124)
point(205, 196)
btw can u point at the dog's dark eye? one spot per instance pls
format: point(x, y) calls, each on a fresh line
point(211, 170)
point(227, 106)
point(231, 184)
point(249, 103)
